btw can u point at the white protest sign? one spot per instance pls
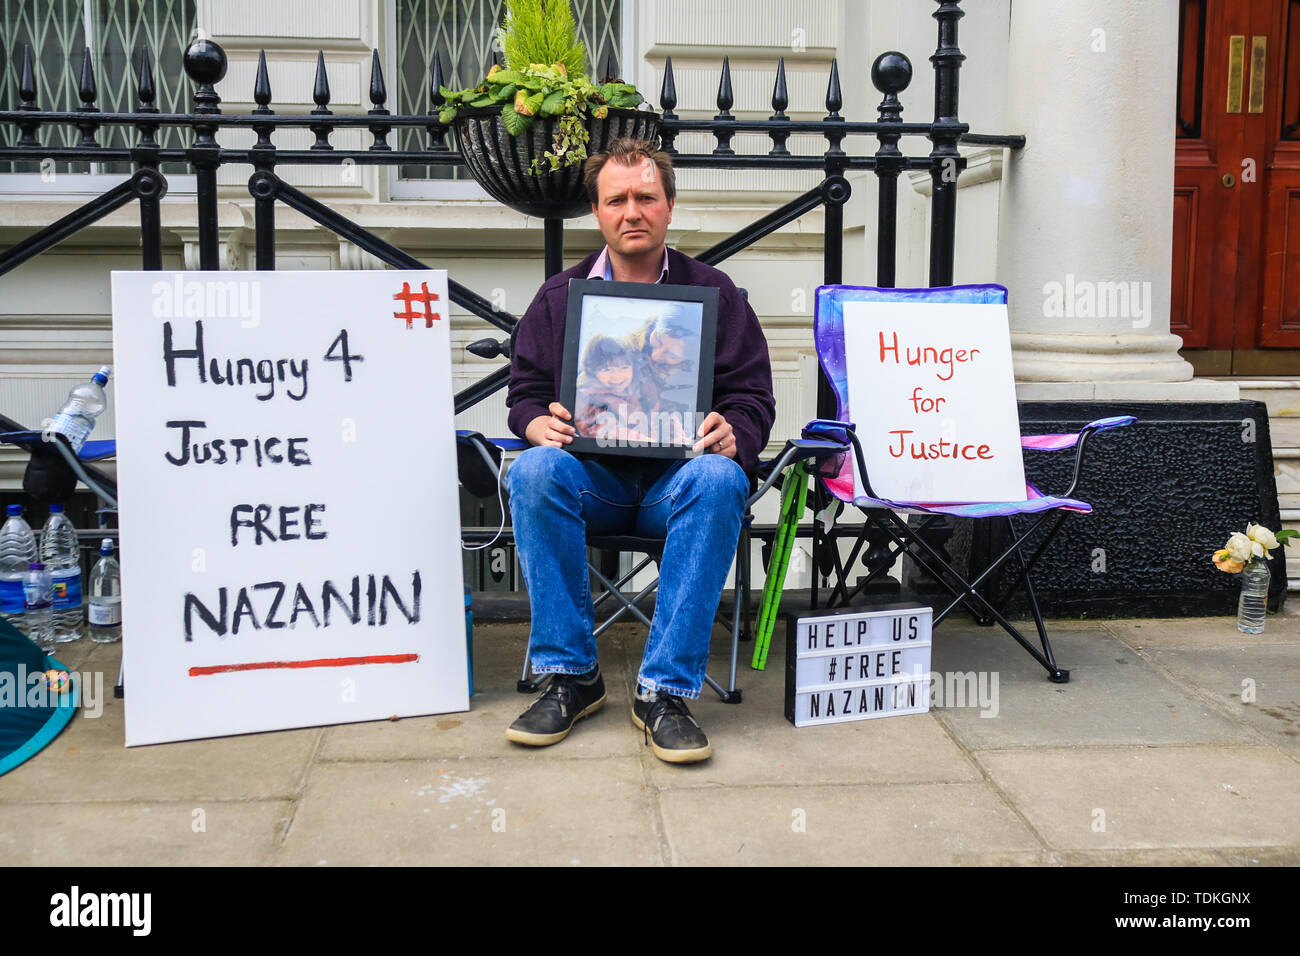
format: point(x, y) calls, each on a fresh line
point(857, 665)
point(932, 392)
point(289, 509)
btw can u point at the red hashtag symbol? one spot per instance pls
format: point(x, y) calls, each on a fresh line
point(424, 296)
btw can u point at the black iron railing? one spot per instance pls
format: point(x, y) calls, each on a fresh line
point(205, 64)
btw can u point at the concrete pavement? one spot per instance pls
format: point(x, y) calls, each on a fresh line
point(1176, 742)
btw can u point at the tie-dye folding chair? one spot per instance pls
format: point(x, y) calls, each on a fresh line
point(889, 516)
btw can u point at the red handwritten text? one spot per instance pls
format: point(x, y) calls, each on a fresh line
point(927, 355)
point(943, 448)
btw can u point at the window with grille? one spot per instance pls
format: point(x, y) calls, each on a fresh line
point(462, 33)
point(59, 32)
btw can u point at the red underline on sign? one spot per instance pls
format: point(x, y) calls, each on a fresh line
point(319, 662)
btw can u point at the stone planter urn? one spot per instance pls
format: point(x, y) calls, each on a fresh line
point(502, 164)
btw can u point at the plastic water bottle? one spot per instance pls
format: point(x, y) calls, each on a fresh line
point(85, 403)
point(104, 609)
point(62, 557)
point(38, 598)
point(17, 551)
point(1252, 607)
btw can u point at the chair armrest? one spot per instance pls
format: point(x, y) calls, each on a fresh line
point(38, 444)
point(1102, 424)
point(795, 451)
point(847, 434)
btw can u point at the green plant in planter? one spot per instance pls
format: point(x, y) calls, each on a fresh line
point(543, 78)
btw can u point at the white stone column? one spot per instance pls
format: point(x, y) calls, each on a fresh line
point(1086, 210)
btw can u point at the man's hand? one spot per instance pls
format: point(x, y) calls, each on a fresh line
point(551, 429)
point(715, 437)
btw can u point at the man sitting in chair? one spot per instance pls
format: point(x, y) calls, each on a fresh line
point(695, 504)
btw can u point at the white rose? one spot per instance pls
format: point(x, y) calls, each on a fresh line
point(1239, 547)
point(1257, 532)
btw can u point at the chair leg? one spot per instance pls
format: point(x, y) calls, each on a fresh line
point(1055, 674)
point(968, 595)
point(732, 696)
point(616, 589)
point(743, 558)
point(526, 684)
point(629, 606)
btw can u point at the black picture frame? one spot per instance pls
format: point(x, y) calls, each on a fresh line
point(638, 366)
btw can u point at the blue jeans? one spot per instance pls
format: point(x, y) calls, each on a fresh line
point(696, 505)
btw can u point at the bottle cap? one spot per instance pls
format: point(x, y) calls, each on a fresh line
point(102, 375)
point(35, 566)
point(15, 509)
point(56, 509)
point(106, 546)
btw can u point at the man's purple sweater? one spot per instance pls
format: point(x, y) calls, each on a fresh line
point(742, 373)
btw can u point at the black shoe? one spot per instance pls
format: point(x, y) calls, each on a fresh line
point(566, 700)
point(670, 728)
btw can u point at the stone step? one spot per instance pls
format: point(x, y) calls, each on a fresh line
point(1286, 467)
point(1284, 433)
point(1281, 394)
point(1291, 519)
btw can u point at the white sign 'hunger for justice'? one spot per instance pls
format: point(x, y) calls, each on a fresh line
point(932, 392)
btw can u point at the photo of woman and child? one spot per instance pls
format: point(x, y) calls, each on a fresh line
point(638, 373)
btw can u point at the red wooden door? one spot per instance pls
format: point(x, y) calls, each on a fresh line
point(1236, 245)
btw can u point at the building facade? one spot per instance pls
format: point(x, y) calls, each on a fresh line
point(1087, 225)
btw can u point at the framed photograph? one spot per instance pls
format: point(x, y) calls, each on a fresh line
point(638, 366)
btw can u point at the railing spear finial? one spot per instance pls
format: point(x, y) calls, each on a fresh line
point(86, 89)
point(437, 132)
point(146, 95)
point(726, 98)
point(27, 83)
point(834, 101)
point(262, 86)
point(378, 92)
point(27, 96)
point(780, 100)
point(378, 95)
point(262, 97)
point(667, 101)
point(144, 87)
point(834, 98)
point(320, 94)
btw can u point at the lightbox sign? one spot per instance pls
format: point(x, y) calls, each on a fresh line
point(858, 664)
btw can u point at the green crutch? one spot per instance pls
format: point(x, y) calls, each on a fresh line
point(793, 498)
